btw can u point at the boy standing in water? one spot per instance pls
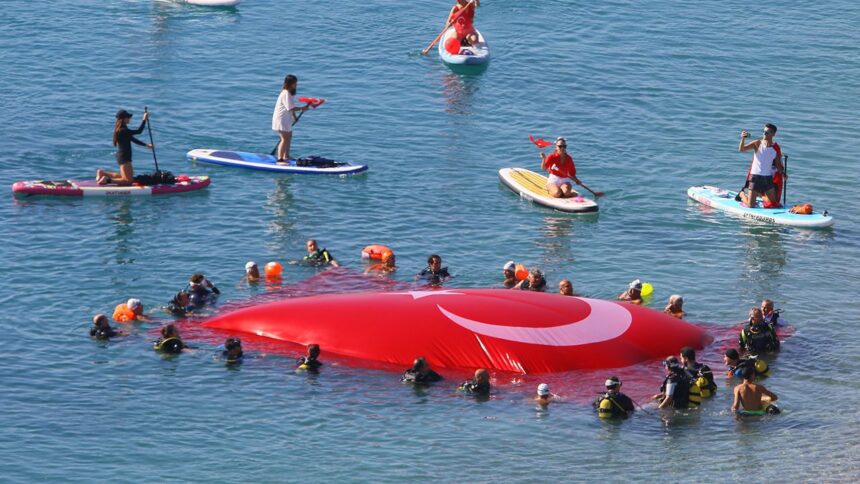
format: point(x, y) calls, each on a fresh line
point(748, 395)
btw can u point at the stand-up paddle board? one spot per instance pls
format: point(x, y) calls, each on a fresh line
point(314, 165)
point(724, 200)
point(89, 188)
point(532, 186)
point(213, 3)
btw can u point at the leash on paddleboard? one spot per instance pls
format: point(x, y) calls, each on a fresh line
point(149, 127)
point(542, 143)
point(313, 102)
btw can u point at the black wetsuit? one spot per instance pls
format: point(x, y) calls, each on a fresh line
point(124, 139)
point(311, 364)
point(434, 277)
point(758, 338)
point(102, 333)
point(475, 388)
point(319, 258)
point(622, 405)
point(412, 376)
point(540, 287)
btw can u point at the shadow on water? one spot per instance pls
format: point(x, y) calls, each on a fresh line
point(279, 203)
point(765, 253)
point(459, 91)
point(122, 221)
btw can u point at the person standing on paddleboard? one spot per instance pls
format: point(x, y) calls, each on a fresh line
point(123, 137)
point(562, 172)
point(284, 116)
point(766, 162)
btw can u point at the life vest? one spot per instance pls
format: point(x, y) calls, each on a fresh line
point(321, 256)
point(308, 364)
point(759, 338)
point(170, 345)
point(475, 388)
point(687, 393)
point(760, 365)
point(123, 314)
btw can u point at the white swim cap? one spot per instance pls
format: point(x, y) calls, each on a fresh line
point(509, 266)
point(249, 265)
point(133, 303)
point(543, 389)
point(613, 382)
point(636, 284)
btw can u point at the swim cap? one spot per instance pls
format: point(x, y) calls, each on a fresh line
point(636, 284)
point(543, 389)
point(133, 303)
point(250, 265)
point(509, 266)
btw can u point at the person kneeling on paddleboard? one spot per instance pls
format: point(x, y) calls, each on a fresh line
point(123, 137)
point(765, 164)
point(562, 172)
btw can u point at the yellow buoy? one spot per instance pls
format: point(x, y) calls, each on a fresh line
point(647, 289)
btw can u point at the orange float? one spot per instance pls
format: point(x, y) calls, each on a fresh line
point(521, 272)
point(376, 252)
point(273, 270)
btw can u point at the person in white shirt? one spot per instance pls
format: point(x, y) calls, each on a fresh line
point(284, 116)
point(766, 159)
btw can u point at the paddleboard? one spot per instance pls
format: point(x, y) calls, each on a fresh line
point(265, 162)
point(474, 55)
point(724, 200)
point(532, 186)
point(214, 3)
point(89, 188)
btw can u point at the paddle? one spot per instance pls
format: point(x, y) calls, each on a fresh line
point(784, 177)
point(149, 127)
point(542, 143)
point(447, 26)
point(313, 102)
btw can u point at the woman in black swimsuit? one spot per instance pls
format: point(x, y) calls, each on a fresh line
point(123, 137)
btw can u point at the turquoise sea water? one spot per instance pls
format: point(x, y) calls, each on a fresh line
point(651, 95)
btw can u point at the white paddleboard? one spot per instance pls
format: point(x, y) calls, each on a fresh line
point(724, 200)
point(532, 186)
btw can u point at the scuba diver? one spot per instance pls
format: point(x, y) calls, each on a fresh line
point(698, 372)
point(509, 272)
point(534, 282)
point(232, 353)
point(613, 403)
point(102, 329)
point(170, 342)
point(180, 305)
point(677, 390)
point(310, 361)
point(480, 385)
point(544, 396)
point(420, 373)
point(758, 336)
point(770, 316)
point(736, 364)
point(317, 256)
point(201, 291)
point(434, 273)
point(749, 397)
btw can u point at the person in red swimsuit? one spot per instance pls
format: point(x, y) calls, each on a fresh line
point(462, 16)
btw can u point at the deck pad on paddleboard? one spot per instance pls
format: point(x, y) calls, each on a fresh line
point(89, 188)
point(532, 186)
point(724, 200)
point(314, 165)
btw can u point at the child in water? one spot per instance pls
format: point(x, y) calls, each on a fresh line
point(310, 360)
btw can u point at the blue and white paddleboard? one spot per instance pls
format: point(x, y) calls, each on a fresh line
point(314, 165)
point(472, 56)
point(725, 200)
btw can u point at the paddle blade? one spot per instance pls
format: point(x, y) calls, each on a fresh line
point(314, 102)
point(540, 142)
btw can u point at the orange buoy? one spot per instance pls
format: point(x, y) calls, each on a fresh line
point(376, 252)
point(521, 272)
point(273, 270)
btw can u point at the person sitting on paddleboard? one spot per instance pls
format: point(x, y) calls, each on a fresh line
point(633, 293)
point(462, 18)
point(317, 256)
point(284, 116)
point(749, 396)
point(534, 282)
point(509, 271)
point(766, 162)
point(434, 273)
point(123, 137)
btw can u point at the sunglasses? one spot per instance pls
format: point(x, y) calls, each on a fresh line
point(561, 146)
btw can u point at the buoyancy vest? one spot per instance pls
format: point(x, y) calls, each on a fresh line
point(687, 393)
point(123, 314)
point(704, 378)
point(617, 405)
point(170, 345)
point(759, 338)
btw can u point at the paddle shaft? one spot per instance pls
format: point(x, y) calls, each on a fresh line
point(590, 190)
point(149, 128)
point(784, 177)
point(275, 150)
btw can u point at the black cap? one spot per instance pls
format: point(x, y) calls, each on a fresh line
point(122, 113)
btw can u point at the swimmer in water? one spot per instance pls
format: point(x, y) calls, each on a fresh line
point(509, 272)
point(565, 288)
point(675, 307)
point(180, 305)
point(252, 272)
point(170, 342)
point(131, 310)
point(480, 385)
point(544, 396)
point(434, 273)
point(317, 256)
point(420, 373)
point(633, 293)
point(201, 291)
point(102, 329)
point(770, 316)
point(749, 396)
point(535, 282)
point(736, 365)
point(310, 361)
point(232, 351)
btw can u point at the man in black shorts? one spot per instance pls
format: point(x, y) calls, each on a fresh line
point(766, 162)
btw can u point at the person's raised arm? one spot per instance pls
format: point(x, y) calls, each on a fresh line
point(749, 146)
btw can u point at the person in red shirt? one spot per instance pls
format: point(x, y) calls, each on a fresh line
point(562, 172)
point(462, 16)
